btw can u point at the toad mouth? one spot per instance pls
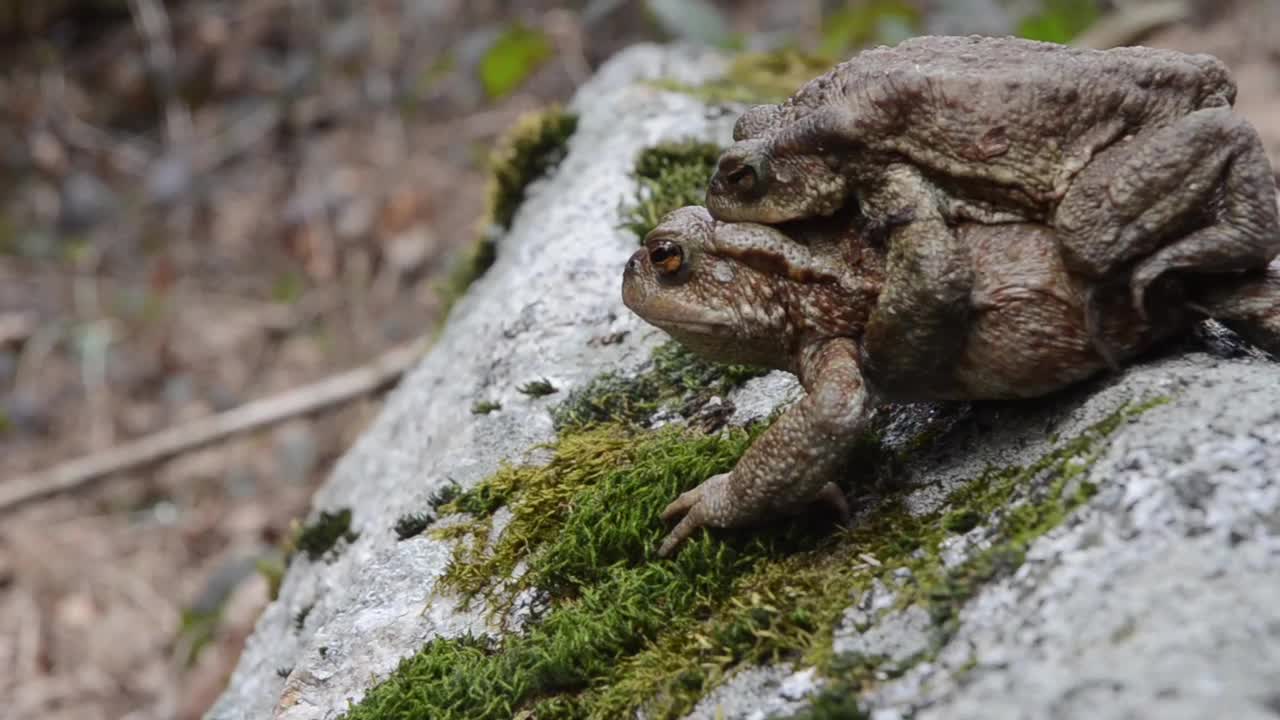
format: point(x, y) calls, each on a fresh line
point(697, 327)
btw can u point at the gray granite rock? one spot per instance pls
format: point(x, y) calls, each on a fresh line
point(1160, 597)
point(756, 693)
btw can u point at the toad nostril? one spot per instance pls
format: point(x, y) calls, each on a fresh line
point(633, 265)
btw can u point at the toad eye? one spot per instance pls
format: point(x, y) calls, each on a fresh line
point(667, 257)
point(743, 177)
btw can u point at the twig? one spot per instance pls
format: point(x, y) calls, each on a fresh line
point(334, 390)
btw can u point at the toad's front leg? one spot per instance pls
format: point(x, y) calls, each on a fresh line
point(794, 462)
point(921, 320)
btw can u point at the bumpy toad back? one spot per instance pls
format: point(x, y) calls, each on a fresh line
point(1132, 156)
point(1018, 115)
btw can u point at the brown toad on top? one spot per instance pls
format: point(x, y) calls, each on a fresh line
point(801, 302)
point(1133, 156)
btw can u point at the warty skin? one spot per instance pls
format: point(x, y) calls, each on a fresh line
point(812, 299)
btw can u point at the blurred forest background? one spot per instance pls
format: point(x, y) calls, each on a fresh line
point(205, 203)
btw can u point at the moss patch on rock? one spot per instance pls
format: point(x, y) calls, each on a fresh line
point(675, 379)
point(321, 535)
point(616, 629)
point(670, 176)
point(412, 524)
point(757, 78)
point(530, 149)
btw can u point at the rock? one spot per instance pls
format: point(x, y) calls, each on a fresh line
point(756, 693)
point(1152, 594)
point(368, 603)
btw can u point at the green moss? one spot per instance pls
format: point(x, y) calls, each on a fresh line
point(670, 176)
point(412, 525)
point(537, 388)
point(962, 521)
point(272, 570)
point(592, 516)
point(533, 147)
point(677, 379)
point(620, 630)
point(300, 618)
point(1060, 21)
point(468, 267)
point(484, 407)
point(757, 78)
point(1019, 504)
point(547, 492)
point(322, 535)
point(512, 57)
point(445, 495)
point(530, 149)
point(867, 22)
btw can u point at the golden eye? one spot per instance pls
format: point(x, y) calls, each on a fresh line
point(667, 257)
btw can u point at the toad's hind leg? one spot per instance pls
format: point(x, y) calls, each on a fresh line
point(1249, 305)
point(1196, 196)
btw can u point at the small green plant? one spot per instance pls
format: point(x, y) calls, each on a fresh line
point(670, 175)
point(196, 630)
point(300, 618)
point(412, 525)
point(757, 78)
point(537, 388)
point(870, 21)
point(530, 149)
point(272, 568)
point(513, 57)
point(961, 521)
point(484, 407)
point(1059, 21)
point(677, 379)
point(322, 535)
point(446, 494)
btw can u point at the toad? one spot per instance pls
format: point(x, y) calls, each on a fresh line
point(1133, 156)
point(801, 301)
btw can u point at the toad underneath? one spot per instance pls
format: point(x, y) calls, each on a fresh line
point(800, 300)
